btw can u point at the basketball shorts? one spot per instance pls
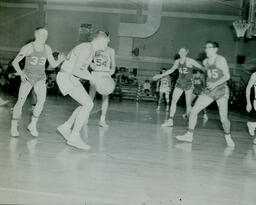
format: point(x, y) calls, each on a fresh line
point(184, 85)
point(34, 77)
point(197, 91)
point(164, 89)
point(66, 82)
point(217, 93)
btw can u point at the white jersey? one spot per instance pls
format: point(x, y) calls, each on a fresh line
point(69, 64)
point(102, 61)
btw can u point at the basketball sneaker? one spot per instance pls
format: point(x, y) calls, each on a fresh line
point(188, 137)
point(251, 128)
point(103, 124)
point(229, 141)
point(168, 123)
point(32, 129)
point(64, 130)
point(75, 141)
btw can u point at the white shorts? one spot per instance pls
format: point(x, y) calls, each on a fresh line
point(100, 74)
point(164, 89)
point(66, 82)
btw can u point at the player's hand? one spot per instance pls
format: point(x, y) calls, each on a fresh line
point(23, 77)
point(156, 77)
point(211, 85)
point(61, 57)
point(254, 104)
point(249, 107)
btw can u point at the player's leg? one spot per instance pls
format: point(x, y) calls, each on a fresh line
point(201, 103)
point(223, 111)
point(40, 91)
point(175, 97)
point(25, 88)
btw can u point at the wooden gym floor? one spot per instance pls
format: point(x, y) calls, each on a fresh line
point(135, 161)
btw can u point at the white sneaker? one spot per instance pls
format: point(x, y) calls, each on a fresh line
point(205, 117)
point(75, 141)
point(64, 130)
point(103, 124)
point(168, 123)
point(188, 137)
point(32, 129)
point(251, 129)
point(229, 141)
point(254, 141)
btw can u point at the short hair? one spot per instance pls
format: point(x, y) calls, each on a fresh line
point(101, 33)
point(213, 43)
point(39, 28)
point(185, 48)
point(164, 68)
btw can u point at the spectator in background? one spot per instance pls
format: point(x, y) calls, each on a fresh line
point(147, 87)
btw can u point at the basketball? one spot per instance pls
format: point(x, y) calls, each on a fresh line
point(105, 85)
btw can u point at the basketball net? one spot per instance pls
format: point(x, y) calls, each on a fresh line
point(241, 27)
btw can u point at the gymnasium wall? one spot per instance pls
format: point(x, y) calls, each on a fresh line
point(156, 51)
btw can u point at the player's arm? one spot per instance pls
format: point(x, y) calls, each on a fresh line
point(24, 51)
point(226, 75)
point(196, 64)
point(83, 60)
point(54, 63)
point(168, 72)
point(251, 82)
point(113, 61)
point(171, 70)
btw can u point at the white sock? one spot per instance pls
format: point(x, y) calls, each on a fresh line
point(102, 118)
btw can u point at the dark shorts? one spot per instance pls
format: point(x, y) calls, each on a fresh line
point(33, 78)
point(184, 85)
point(197, 91)
point(218, 92)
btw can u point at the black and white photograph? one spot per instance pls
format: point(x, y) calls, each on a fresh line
point(128, 102)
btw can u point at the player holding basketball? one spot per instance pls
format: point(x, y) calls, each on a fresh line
point(251, 83)
point(68, 79)
point(216, 90)
point(103, 66)
point(33, 76)
point(184, 82)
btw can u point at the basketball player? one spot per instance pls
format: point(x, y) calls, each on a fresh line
point(199, 84)
point(73, 69)
point(164, 87)
point(33, 76)
point(251, 83)
point(184, 82)
point(216, 90)
point(103, 65)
